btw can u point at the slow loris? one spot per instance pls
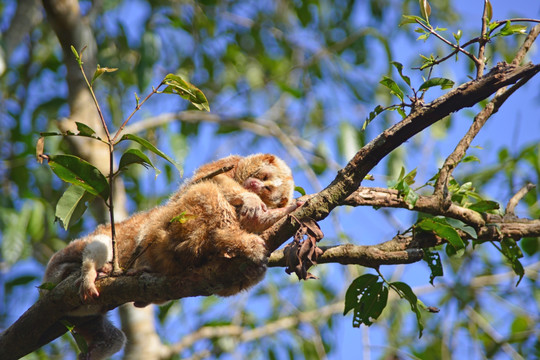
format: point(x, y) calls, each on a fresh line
point(208, 222)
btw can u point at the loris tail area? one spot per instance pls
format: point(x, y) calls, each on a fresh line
point(210, 225)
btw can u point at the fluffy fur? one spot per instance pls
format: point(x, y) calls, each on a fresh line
point(209, 222)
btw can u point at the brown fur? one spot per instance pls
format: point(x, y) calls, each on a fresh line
point(205, 224)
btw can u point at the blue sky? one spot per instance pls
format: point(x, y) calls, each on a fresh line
point(516, 123)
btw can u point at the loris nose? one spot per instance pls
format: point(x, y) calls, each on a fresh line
point(253, 184)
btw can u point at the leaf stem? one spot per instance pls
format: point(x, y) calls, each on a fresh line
point(137, 108)
point(456, 47)
point(110, 204)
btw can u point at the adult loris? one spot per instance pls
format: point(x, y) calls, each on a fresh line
point(211, 221)
point(223, 214)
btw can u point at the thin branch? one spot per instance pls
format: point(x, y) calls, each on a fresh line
point(202, 282)
point(349, 178)
point(512, 203)
point(116, 267)
point(137, 108)
point(194, 117)
point(293, 144)
point(525, 47)
point(491, 332)
point(482, 43)
point(449, 43)
point(459, 152)
point(404, 249)
point(245, 335)
point(242, 334)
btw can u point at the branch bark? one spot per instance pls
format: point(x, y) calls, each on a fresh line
point(36, 326)
point(348, 179)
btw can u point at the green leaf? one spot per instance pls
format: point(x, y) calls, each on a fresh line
point(147, 145)
point(433, 259)
point(348, 141)
point(47, 286)
point(177, 85)
point(135, 156)
point(14, 244)
point(378, 109)
point(410, 19)
point(403, 186)
point(405, 292)
point(442, 82)
point(77, 57)
point(182, 218)
point(426, 62)
point(394, 88)
point(85, 130)
point(509, 29)
point(457, 224)
point(100, 71)
point(424, 36)
point(440, 227)
point(79, 339)
point(469, 158)
point(367, 297)
point(411, 197)
point(512, 252)
point(489, 11)
point(425, 9)
point(531, 245)
point(77, 171)
point(485, 205)
point(300, 190)
point(491, 26)
point(355, 290)
point(457, 36)
point(511, 249)
point(409, 178)
point(399, 68)
point(72, 205)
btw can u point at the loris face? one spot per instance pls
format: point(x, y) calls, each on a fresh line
point(267, 176)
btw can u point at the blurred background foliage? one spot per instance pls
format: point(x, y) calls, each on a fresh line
point(295, 78)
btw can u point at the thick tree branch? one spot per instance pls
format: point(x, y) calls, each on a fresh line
point(36, 324)
point(348, 179)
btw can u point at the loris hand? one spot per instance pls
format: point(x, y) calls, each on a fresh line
point(252, 206)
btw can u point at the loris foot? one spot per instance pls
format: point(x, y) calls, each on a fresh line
point(88, 290)
point(255, 249)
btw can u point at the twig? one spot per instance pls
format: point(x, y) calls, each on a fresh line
point(456, 47)
point(116, 266)
point(436, 62)
point(137, 108)
point(482, 43)
point(349, 178)
point(246, 335)
point(479, 121)
point(514, 200)
point(524, 49)
point(492, 333)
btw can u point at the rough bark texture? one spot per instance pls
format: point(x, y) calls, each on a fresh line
point(39, 324)
point(35, 325)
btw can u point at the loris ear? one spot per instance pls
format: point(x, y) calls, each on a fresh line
point(268, 158)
